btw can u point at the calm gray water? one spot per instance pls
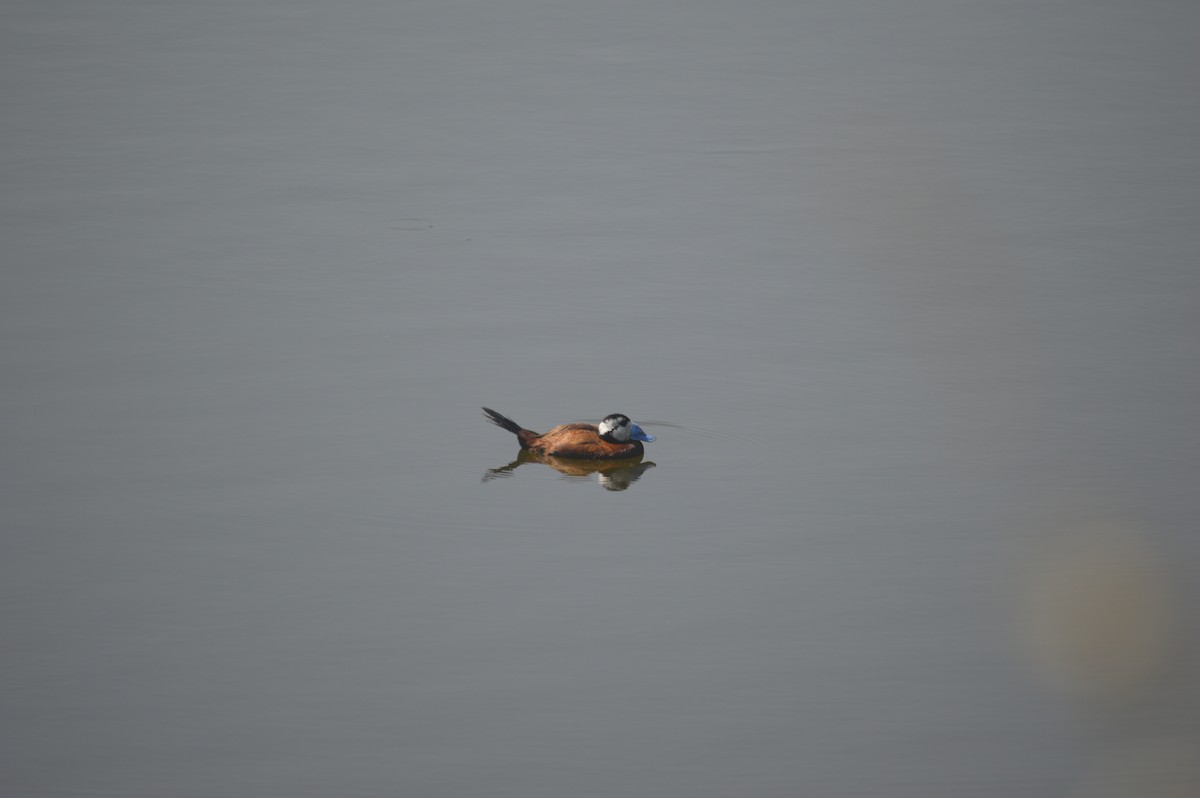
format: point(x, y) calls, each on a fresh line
point(908, 292)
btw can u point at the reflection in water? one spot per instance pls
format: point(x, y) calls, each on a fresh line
point(612, 474)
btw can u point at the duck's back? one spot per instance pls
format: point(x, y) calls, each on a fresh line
point(574, 429)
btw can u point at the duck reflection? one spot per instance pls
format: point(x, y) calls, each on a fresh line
point(612, 474)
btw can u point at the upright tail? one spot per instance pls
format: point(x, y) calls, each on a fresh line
point(503, 422)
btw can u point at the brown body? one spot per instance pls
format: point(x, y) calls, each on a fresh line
point(578, 441)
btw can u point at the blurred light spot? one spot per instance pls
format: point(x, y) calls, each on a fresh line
point(1096, 614)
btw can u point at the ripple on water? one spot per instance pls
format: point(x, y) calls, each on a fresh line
point(701, 432)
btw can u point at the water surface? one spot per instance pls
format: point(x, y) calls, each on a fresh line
point(907, 292)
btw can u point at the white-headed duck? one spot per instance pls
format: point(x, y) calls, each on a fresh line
point(616, 438)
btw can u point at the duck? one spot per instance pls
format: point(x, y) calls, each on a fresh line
point(614, 438)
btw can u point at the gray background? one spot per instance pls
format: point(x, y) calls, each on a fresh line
point(908, 292)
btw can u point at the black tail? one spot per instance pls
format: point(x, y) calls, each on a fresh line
point(503, 422)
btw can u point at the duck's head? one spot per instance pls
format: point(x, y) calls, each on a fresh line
point(619, 429)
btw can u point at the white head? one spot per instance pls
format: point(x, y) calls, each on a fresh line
point(620, 429)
